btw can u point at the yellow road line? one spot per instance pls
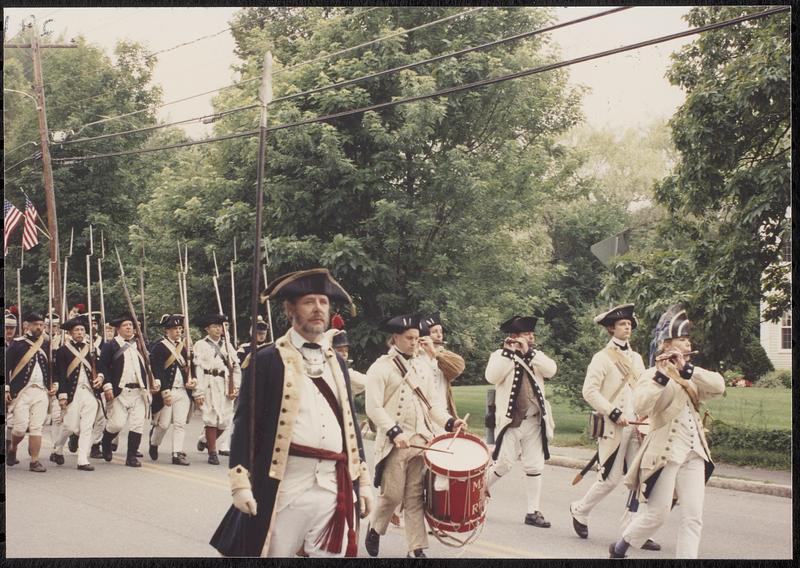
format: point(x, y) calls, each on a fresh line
point(185, 475)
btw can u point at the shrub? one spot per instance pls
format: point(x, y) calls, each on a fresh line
point(731, 376)
point(776, 379)
point(734, 437)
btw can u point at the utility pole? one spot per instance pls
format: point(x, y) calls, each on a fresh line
point(50, 198)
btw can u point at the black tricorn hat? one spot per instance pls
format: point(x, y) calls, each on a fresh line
point(340, 339)
point(621, 312)
point(95, 316)
point(302, 282)
point(171, 320)
point(212, 319)
point(426, 323)
point(398, 324)
point(122, 319)
point(34, 316)
point(519, 324)
point(81, 320)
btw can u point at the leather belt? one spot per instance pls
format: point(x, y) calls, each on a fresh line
point(132, 386)
point(214, 372)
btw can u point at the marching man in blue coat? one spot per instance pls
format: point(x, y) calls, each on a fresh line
point(308, 478)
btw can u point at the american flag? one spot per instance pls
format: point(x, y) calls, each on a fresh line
point(11, 218)
point(30, 237)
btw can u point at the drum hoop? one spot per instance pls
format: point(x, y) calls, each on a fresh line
point(470, 473)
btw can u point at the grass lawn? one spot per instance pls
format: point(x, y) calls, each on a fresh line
point(754, 408)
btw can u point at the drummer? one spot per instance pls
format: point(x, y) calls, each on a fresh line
point(402, 401)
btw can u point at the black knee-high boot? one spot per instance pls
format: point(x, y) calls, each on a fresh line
point(134, 438)
point(105, 443)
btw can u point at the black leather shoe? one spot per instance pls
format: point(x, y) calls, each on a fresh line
point(133, 461)
point(537, 520)
point(58, 459)
point(179, 460)
point(224, 453)
point(37, 467)
point(72, 444)
point(612, 553)
point(95, 452)
point(114, 446)
point(580, 529)
point(11, 456)
point(139, 454)
point(213, 459)
point(650, 544)
point(201, 446)
point(153, 451)
point(86, 467)
point(372, 542)
point(418, 553)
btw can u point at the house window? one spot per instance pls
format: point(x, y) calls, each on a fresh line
point(786, 330)
point(786, 249)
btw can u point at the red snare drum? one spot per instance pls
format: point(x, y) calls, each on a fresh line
point(455, 484)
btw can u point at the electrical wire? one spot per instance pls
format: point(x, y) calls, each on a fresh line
point(247, 81)
point(454, 89)
point(35, 156)
point(71, 104)
point(15, 148)
point(364, 77)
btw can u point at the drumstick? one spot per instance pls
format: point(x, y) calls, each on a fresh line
point(429, 449)
point(640, 423)
point(458, 431)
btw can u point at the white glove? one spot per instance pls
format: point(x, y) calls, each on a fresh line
point(244, 501)
point(366, 500)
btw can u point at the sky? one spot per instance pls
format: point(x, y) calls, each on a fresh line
point(628, 90)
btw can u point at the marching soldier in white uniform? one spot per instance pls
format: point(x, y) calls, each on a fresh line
point(243, 353)
point(404, 405)
point(77, 392)
point(674, 460)
point(26, 392)
point(518, 371)
point(171, 406)
point(608, 388)
point(216, 365)
point(55, 415)
point(446, 365)
point(124, 376)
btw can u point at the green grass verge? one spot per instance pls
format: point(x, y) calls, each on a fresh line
point(759, 409)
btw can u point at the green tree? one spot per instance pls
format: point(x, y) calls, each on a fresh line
point(728, 194)
point(431, 205)
point(82, 85)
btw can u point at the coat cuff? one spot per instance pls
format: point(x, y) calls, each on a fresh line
point(614, 415)
point(508, 353)
point(63, 396)
point(661, 378)
point(394, 431)
point(687, 371)
point(239, 478)
point(449, 425)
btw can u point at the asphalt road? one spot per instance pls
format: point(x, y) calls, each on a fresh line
point(163, 510)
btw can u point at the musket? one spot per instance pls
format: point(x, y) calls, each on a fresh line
point(229, 361)
point(64, 309)
point(269, 311)
point(233, 296)
point(50, 320)
point(265, 94)
point(586, 468)
point(184, 301)
point(100, 260)
point(19, 289)
point(139, 340)
point(92, 347)
point(141, 294)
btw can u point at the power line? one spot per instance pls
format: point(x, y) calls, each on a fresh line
point(149, 55)
point(35, 156)
point(454, 89)
point(247, 81)
point(364, 77)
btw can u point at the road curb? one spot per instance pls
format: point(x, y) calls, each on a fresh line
point(746, 485)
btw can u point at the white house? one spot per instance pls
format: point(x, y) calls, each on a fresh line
point(776, 337)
